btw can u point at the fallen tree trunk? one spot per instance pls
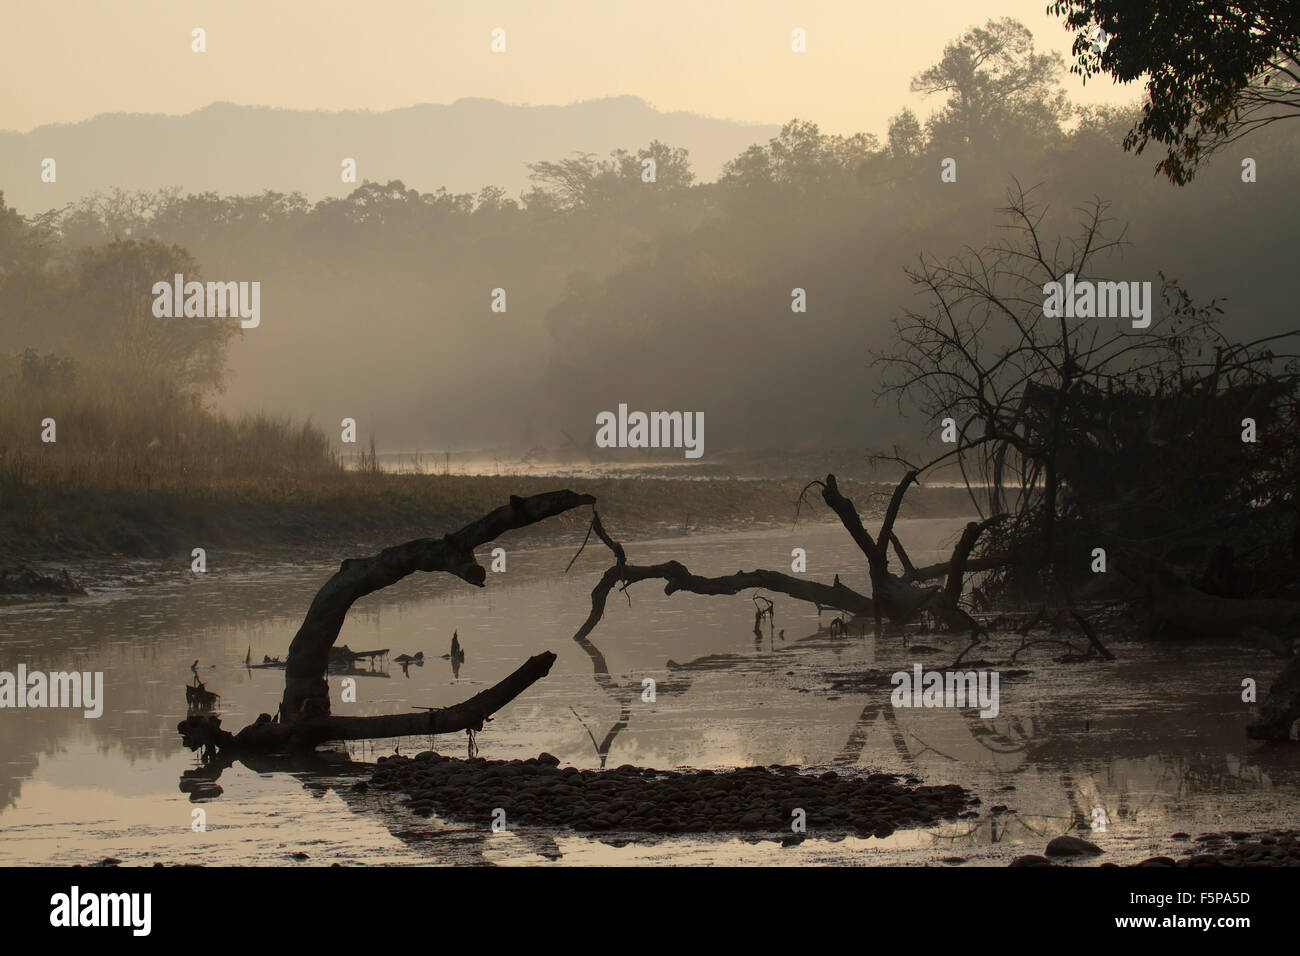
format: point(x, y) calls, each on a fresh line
point(679, 578)
point(958, 566)
point(877, 558)
point(467, 715)
point(304, 719)
point(272, 736)
point(944, 568)
point(945, 604)
point(895, 597)
point(891, 595)
point(306, 692)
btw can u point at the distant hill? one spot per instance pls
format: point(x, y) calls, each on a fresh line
point(233, 149)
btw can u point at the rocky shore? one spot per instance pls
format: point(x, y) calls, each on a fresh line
point(537, 792)
point(1234, 848)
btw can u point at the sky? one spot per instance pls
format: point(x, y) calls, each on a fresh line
point(70, 60)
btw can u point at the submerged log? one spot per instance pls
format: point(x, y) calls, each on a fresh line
point(346, 655)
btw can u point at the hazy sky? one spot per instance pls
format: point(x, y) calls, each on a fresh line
point(68, 60)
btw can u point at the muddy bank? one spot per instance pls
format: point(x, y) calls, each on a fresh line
point(169, 518)
point(24, 581)
point(537, 792)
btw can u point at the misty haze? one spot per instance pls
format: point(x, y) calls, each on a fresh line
point(785, 491)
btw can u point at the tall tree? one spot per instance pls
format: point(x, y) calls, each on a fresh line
point(906, 138)
point(996, 84)
point(110, 313)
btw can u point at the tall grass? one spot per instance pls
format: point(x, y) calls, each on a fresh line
point(139, 467)
point(115, 433)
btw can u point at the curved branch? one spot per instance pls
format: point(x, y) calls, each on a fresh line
point(306, 692)
point(891, 514)
point(679, 578)
point(852, 522)
point(961, 553)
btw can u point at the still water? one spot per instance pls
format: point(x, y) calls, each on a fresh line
point(1154, 741)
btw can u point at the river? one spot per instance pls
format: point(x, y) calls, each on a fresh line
point(1138, 749)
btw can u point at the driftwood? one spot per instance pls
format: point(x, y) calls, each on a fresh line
point(304, 719)
point(944, 569)
point(961, 554)
point(890, 596)
point(346, 656)
point(895, 596)
point(269, 735)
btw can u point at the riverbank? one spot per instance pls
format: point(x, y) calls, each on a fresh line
point(44, 522)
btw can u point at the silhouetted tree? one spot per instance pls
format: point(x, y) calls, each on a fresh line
point(109, 312)
point(1216, 71)
point(996, 85)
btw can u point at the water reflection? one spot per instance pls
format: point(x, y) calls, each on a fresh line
point(1155, 741)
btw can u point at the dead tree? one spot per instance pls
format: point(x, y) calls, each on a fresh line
point(892, 596)
point(304, 719)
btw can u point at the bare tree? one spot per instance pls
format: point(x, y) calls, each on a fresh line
point(986, 354)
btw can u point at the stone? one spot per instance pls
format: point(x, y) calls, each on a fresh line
point(1071, 846)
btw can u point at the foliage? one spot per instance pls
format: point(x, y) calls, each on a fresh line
point(997, 86)
point(1215, 71)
